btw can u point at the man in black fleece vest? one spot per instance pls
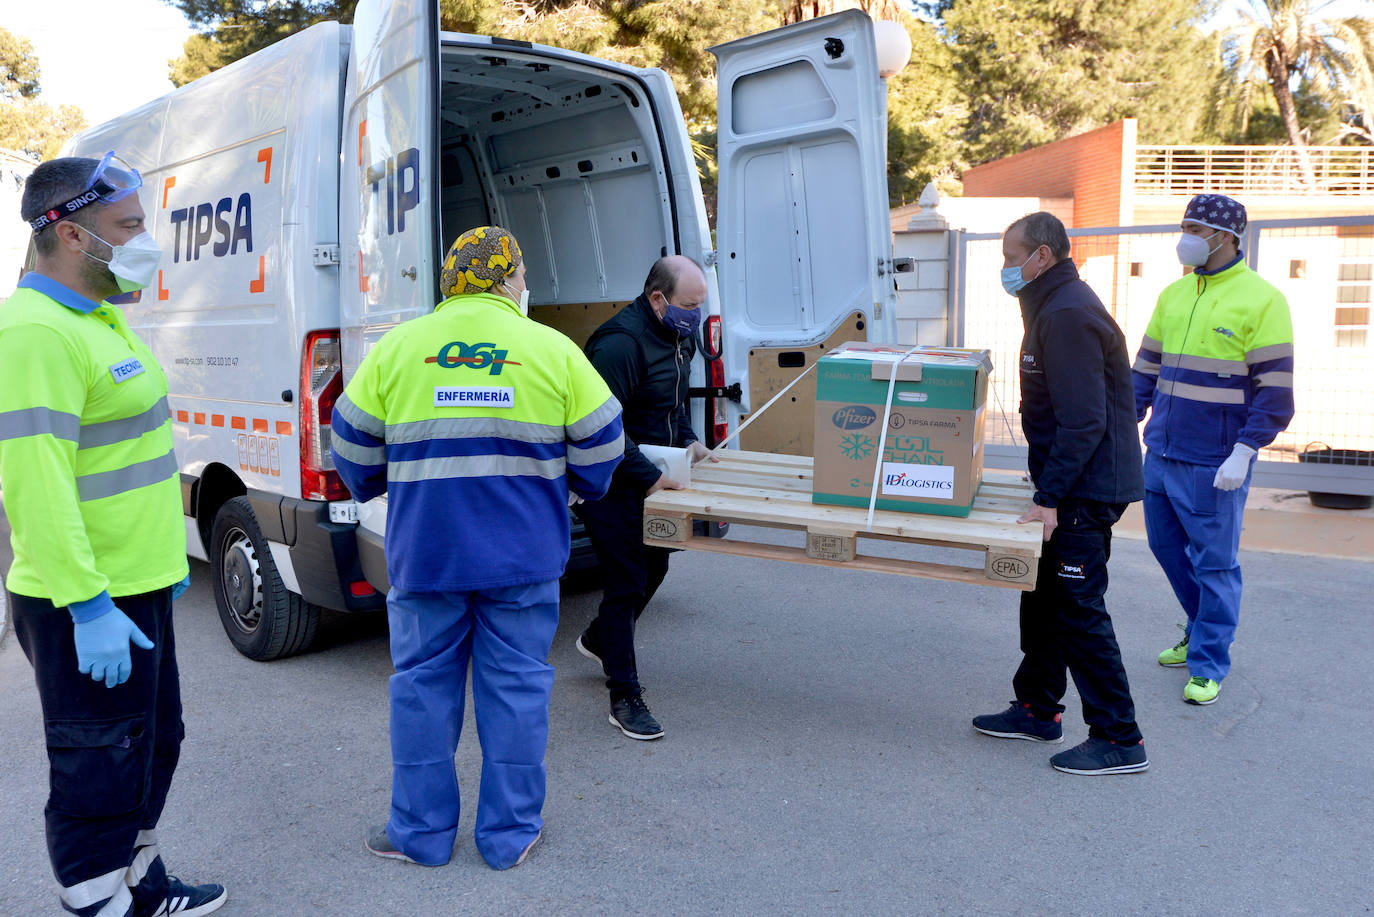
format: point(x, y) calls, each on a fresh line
point(1078, 416)
point(645, 354)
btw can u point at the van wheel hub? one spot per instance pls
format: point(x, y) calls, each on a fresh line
point(242, 580)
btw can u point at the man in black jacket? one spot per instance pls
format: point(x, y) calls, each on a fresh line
point(1078, 416)
point(644, 353)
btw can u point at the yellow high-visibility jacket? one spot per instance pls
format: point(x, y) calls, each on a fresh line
point(477, 422)
point(90, 481)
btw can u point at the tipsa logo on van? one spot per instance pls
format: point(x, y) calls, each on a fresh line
point(853, 417)
point(473, 356)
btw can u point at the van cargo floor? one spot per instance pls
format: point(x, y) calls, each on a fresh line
point(758, 488)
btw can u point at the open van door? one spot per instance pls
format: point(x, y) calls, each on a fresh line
point(387, 217)
point(804, 248)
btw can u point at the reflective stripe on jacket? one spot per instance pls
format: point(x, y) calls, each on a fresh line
point(91, 484)
point(1216, 366)
point(477, 422)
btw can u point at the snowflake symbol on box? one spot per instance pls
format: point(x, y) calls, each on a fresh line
point(856, 446)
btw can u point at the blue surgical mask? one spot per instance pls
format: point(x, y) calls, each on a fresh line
point(1012, 281)
point(683, 321)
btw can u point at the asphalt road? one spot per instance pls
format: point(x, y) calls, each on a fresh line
point(818, 759)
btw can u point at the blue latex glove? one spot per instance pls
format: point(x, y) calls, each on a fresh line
point(102, 647)
point(181, 587)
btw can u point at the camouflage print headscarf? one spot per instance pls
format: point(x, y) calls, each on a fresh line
point(479, 260)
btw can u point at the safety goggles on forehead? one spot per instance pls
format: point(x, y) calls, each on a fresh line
point(113, 180)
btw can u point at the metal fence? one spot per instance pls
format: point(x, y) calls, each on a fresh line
point(1325, 268)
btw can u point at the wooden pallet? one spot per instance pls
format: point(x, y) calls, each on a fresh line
point(758, 488)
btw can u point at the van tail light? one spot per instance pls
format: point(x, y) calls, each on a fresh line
point(711, 339)
point(321, 386)
point(715, 407)
point(719, 426)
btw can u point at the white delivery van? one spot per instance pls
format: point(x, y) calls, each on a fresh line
point(304, 197)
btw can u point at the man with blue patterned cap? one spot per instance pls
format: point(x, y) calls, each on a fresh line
point(478, 424)
point(1215, 372)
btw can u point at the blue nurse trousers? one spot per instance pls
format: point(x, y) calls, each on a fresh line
point(1194, 532)
point(506, 634)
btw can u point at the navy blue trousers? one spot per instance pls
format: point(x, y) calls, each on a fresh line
point(633, 571)
point(111, 756)
point(1065, 626)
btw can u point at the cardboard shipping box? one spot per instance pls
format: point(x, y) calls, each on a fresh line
point(932, 459)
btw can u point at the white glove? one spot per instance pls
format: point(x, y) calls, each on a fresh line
point(1232, 472)
point(573, 500)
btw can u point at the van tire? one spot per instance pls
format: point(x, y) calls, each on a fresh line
point(262, 618)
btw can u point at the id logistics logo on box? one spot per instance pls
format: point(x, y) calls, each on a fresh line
point(853, 417)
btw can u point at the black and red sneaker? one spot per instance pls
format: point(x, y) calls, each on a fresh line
point(1017, 722)
point(1102, 756)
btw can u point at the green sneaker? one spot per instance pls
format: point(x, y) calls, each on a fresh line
point(1201, 691)
point(1177, 654)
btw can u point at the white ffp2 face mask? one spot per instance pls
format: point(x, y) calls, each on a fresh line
point(524, 301)
point(134, 263)
point(1193, 251)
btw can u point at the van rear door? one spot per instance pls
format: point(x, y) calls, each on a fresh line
point(804, 249)
point(387, 217)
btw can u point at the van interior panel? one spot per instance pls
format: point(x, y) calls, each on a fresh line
point(789, 426)
point(565, 156)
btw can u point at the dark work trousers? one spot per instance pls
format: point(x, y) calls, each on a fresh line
point(1065, 625)
point(633, 571)
point(111, 755)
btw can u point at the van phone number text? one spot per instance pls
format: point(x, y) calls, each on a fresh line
point(206, 361)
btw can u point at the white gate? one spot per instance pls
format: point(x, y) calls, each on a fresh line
point(1325, 268)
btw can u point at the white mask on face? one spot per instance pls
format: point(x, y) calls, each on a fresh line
point(524, 301)
point(1193, 251)
point(134, 264)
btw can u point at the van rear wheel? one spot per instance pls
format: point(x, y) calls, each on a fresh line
point(263, 619)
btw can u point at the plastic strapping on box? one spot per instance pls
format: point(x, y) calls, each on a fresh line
point(882, 439)
point(759, 413)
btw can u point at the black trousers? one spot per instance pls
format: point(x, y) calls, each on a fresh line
point(1065, 625)
point(111, 755)
point(633, 572)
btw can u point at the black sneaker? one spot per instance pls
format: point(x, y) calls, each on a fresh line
point(1017, 722)
point(1102, 756)
point(632, 717)
point(587, 648)
point(378, 844)
point(190, 900)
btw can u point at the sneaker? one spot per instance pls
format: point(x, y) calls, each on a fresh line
point(582, 647)
point(378, 844)
point(1176, 655)
point(190, 900)
point(1201, 691)
point(1017, 722)
point(631, 716)
point(1102, 756)
point(527, 850)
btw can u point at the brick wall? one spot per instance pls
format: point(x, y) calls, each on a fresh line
point(1096, 169)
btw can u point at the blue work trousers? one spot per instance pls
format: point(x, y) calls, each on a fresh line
point(1194, 532)
point(506, 634)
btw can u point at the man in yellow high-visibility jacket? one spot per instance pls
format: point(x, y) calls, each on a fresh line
point(1215, 372)
point(93, 496)
point(480, 425)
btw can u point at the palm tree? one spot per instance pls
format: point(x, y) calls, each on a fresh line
point(1280, 39)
